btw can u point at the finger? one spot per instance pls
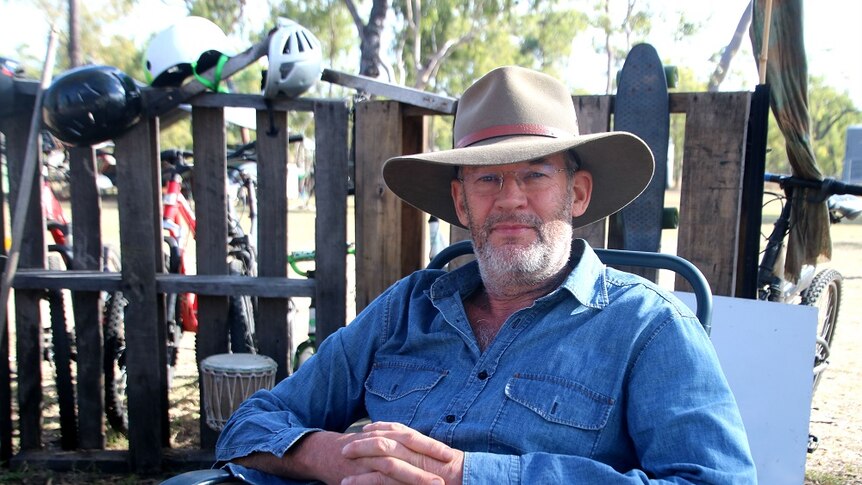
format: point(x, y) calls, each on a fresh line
point(412, 439)
point(392, 458)
point(392, 471)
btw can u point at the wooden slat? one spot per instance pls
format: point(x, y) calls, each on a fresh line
point(5, 389)
point(254, 101)
point(208, 187)
point(379, 131)
point(267, 287)
point(75, 280)
point(28, 337)
point(273, 333)
point(222, 285)
point(594, 116)
point(108, 461)
point(712, 186)
point(5, 371)
point(87, 235)
point(137, 167)
point(330, 180)
point(28, 326)
point(422, 99)
point(414, 234)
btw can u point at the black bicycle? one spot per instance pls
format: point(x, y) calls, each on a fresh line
point(817, 287)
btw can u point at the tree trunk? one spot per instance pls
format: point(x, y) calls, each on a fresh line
point(369, 35)
point(730, 51)
point(75, 57)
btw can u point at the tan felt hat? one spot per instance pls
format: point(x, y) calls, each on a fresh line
point(513, 115)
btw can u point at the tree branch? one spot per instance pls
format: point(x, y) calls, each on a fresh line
point(430, 69)
point(727, 55)
point(354, 14)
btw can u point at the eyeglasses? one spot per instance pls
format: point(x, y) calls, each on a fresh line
point(530, 180)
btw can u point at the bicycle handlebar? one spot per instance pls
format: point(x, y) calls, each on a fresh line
point(174, 156)
point(296, 257)
point(825, 188)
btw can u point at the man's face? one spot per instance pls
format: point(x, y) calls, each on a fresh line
point(520, 215)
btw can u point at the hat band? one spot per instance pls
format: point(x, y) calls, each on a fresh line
point(508, 130)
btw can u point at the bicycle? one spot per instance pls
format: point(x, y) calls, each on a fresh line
point(58, 337)
point(178, 217)
point(308, 347)
point(821, 289)
point(178, 223)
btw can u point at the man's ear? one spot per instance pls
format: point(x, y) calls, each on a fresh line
point(458, 200)
point(583, 189)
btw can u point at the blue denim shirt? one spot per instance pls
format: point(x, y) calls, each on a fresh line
point(607, 379)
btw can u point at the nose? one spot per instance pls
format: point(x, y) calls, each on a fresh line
point(511, 193)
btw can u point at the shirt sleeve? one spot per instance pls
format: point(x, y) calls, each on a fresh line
point(326, 393)
point(682, 419)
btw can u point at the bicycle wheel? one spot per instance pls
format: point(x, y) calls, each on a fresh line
point(60, 352)
point(114, 345)
point(174, 332)
point(303, 352)
point(114, 363)
point(241, 316)
point(825, 294)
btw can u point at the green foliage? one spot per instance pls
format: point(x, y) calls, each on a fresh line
point(620, 33)
point(224, 13)
point(831, 112)
point(687, 83)
point(456, 42)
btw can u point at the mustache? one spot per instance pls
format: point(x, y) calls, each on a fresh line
point(524, 219)
point(529, 220)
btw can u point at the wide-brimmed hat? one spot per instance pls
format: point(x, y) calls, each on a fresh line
point(513, 115)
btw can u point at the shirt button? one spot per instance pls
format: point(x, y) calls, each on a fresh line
point(482, 375)
point(450, 418)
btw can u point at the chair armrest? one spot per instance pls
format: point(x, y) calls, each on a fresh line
point(202, 477)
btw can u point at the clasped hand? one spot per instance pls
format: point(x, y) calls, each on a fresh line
point(394, 453)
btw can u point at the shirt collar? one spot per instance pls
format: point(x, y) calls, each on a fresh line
point(586, 282)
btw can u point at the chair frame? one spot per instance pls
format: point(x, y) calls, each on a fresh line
point(683, 267)
point(702, 292)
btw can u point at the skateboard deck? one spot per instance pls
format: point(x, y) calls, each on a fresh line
point(641, 107)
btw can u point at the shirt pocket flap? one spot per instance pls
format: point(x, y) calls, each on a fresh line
point(392, 382)
point(560, 401)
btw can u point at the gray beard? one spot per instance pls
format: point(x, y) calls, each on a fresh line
point(517, 267)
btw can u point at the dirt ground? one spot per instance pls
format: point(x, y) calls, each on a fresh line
point(835, 419)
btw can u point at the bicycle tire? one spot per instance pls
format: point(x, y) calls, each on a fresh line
point(174, 332)
point(303, 352)
point(825, 294)
point(241, 316)
point(114, 363)
point(61, 356)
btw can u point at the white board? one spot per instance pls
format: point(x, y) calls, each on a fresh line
point(767, 352)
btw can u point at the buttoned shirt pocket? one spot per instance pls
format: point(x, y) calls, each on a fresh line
point(549, 413)
point(396, 389)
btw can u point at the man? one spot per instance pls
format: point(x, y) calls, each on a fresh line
point(536, 364)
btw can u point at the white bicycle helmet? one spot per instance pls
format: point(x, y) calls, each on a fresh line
point(194, 44)
point(295, 61)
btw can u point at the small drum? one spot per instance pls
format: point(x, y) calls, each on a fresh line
point(228, 379)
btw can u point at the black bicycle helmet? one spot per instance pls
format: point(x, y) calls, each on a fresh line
point(91, 104)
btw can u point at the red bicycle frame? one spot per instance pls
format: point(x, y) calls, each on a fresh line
point(54, 217)
point(175, 211)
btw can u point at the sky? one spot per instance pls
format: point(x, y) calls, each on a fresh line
point(833, 38)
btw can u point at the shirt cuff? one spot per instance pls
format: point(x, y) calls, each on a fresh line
point(480, 468)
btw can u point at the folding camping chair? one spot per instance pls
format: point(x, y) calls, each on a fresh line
point(701, 289)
